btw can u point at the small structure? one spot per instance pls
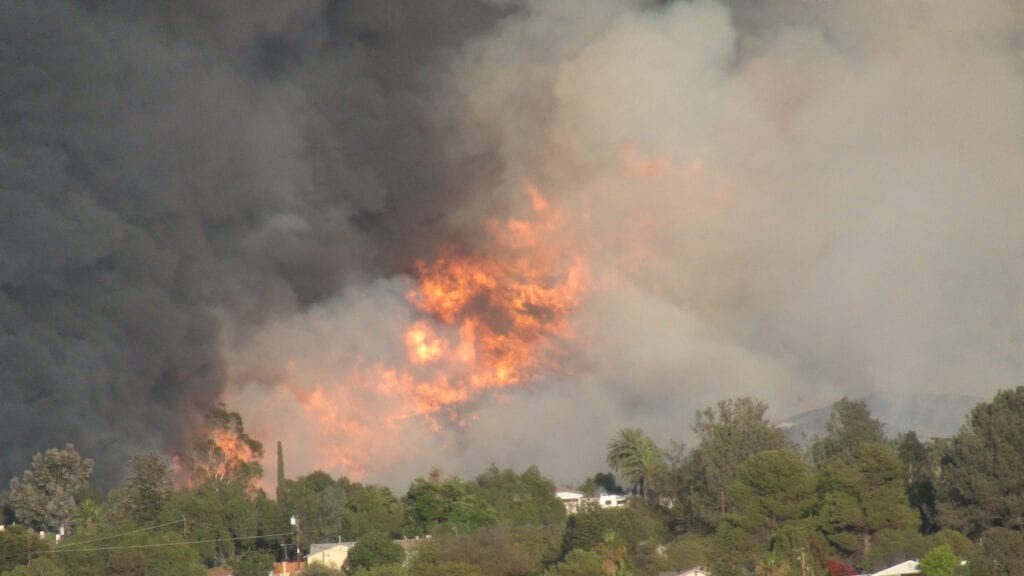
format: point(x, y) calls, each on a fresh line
point(695, 571)
point(575, 501)
point(571, 499)
point(612, 500)
point(330, 554)
point(908, 568)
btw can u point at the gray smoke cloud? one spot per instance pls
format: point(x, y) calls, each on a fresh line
point(791, 200)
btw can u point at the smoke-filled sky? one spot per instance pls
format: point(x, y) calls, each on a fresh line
point(208, 201)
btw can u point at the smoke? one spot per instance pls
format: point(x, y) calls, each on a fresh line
point(791, 200)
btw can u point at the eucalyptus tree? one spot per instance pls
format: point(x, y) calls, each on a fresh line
point(45, 496)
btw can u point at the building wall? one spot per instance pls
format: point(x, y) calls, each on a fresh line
point(332, 558)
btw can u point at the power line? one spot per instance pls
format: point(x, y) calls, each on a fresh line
point(70, 544)
point(161, 544)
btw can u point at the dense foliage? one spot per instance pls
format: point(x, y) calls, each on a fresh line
point(744, 501)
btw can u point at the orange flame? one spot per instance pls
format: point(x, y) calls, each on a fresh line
point(484, 321)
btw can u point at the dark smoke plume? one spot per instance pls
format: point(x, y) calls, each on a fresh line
point(174, 174)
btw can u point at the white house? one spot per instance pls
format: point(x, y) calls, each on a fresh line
point(908, 568)
point(575, 501)
point(571, 499)
point(612, 500)
point(330, 554)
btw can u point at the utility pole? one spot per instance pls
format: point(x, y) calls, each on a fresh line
point(298, 538)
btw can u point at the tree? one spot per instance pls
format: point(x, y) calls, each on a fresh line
point(318, 501)
point(322, 570)
point(999, 552)
point(369, 508)
point(637, 459)
point(729, 435)
point(472, 512)
point(40, 567)
point(521, 499)
point(148, 488)
point(494, 550)
point(126, 563)
point(221, 515)
point(578, 563)
point(14, 546)
point(774, 487)
point(860, 499)
point(919, 475)
point(253, 564)
point(374, 549)
point(224, 451)
point(940, 561)
point(849, 427)
point(773, 493)
point(45, 495)
point(980, 485)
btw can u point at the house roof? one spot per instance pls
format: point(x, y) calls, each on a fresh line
point(326, 546)
point(901, 569)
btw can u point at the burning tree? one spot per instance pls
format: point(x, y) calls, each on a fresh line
point(224, 452)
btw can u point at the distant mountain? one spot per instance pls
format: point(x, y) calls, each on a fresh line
point(929, 415)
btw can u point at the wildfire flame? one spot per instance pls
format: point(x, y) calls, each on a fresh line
point(482, 321)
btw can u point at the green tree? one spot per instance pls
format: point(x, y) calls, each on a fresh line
point(688, 550)
point(374, 549)
point(939, 561)
point(321, 570)
point(999, 552)
point(920, 465)
point(849, 427)
point(253, 564)
point(88, 516)
point(772, 488)
point(222, 516)
point(472, 512)
point(318, 501)
point(45, 496)
point(729, 434)
point(446, 569)
point(368, 508)
point(429, 503)
point(148, 488)
point(40, 567)
point(980, 485)
point(494, 550)
point(578, 563)
point(385, 570)
point(521, 499)
point(637, 460)
point(14, 546)
point(858, 500)
point(129, 562)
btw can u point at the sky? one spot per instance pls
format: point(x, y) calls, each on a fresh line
point(207, 203)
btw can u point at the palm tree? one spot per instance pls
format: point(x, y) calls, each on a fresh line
point(637, 459)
